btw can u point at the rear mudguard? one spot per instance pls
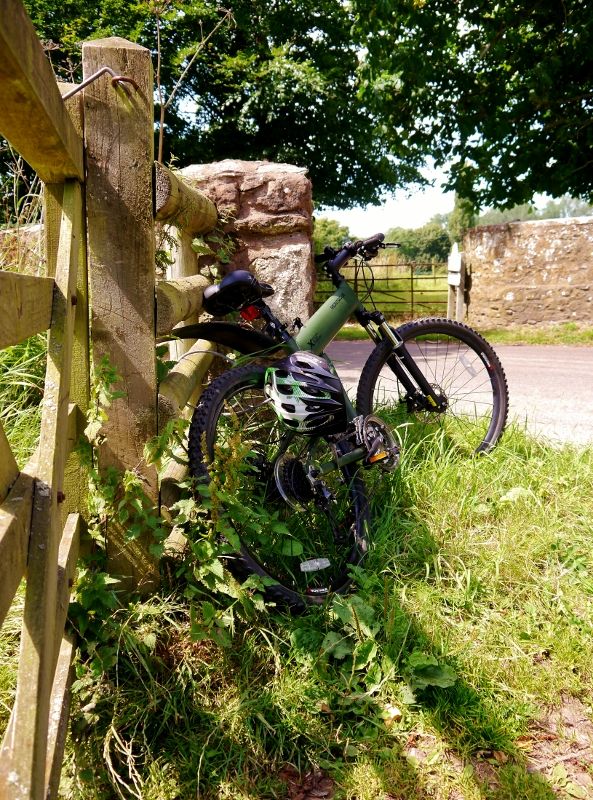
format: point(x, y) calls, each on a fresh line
point(228, 334)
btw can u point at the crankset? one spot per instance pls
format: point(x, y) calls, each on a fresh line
point(382, 449)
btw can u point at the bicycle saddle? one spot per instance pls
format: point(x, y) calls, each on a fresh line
point(236, 290)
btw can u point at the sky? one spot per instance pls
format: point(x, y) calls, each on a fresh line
point(404, 209)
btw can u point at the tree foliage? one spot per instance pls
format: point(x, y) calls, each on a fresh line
point(460, 219)
point(329, 232)
point(431, 242)
point(363, 93)
point(554, 209)
point(279, 82)
point(503, 92)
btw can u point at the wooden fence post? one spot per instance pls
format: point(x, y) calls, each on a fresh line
point(24, 747)
point(119, 125)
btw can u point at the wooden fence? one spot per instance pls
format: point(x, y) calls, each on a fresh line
point(99, 243)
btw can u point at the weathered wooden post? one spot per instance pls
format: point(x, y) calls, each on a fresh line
point(119, 147)
point(191, 213)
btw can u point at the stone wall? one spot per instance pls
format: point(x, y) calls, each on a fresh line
point(269, 210)
point(530, 273)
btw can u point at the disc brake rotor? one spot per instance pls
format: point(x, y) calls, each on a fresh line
point(292, 482)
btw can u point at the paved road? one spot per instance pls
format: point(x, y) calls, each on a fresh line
point(550, 387)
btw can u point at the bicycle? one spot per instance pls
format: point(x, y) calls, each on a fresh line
point(298, 500)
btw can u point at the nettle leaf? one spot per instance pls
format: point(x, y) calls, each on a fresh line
point(221, 637)
point(364, 653)
point(208, 612)
point(424, 670)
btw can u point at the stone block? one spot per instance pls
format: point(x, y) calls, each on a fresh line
point(268, 209)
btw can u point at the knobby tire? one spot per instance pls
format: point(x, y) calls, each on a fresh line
point(458, 362)
point(237, 444)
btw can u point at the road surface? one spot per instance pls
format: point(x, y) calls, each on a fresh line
point(550, 387)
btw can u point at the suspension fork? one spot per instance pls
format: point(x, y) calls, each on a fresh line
point(408, 373)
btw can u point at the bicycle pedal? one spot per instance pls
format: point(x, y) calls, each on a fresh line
point(380, 456)
point(382, 449)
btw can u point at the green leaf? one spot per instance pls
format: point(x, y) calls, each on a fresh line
point(208, 612)
point(337, 645)
point(357, 615)
point(290, 547)
point(515, 494)
point(576, 790)
point(364, 653)
point(424, 670)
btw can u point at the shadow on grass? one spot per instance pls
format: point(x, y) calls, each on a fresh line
point(327, 691)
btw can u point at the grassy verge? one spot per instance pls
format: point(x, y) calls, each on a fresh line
point(458, 669)
point(567, 333)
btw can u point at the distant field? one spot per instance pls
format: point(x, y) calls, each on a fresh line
point(400, 290)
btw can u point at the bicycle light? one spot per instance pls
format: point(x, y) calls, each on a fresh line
point(250, 313)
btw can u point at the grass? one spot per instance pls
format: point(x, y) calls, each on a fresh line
point(482, 565)
point(22, 374)
point(481, 568)
point(565, 333)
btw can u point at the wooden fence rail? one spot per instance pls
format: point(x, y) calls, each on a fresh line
point(99, 241)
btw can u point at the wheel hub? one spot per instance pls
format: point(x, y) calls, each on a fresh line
point(292, 481)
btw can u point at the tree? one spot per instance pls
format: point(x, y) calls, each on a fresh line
point(565, 207)
point(503, 92)
point(561, 207)
point(460, 219)
point(329, 232)
point(279, 82)
point(431, 242)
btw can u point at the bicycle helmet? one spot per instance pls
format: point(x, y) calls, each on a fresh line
point(307, 396)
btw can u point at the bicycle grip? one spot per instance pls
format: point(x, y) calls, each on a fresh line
point(373, 242)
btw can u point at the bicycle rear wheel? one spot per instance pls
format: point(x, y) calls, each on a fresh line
point(299, 534)
point(460, 365)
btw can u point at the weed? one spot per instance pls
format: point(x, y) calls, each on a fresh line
point(470, 619)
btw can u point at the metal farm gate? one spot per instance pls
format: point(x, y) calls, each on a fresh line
point(404, 290)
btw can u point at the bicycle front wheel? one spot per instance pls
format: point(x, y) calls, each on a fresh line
point(460, 366)
point(297, 527)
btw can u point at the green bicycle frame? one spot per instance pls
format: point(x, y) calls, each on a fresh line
point(329, 318)
point(325, 323)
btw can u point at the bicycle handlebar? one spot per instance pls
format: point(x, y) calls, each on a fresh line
point(337, 258)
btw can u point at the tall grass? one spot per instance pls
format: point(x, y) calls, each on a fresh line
point(482, 565)
point(22, 372)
